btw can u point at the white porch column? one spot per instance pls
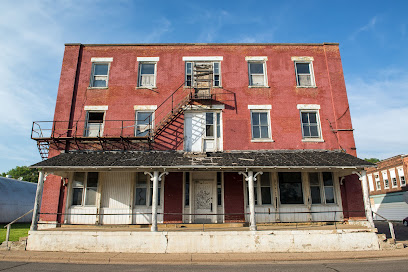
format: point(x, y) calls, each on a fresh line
point(37, 203)
point(366, 195)
point(155, 178)
point(250, 178)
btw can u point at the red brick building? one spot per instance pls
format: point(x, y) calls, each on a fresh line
point(388, 187)
point(200, 133)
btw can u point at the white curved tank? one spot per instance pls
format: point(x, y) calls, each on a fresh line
point(16, 198)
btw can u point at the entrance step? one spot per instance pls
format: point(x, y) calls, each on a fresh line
point(387, 244)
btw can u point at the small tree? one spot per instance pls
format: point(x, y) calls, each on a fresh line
point(23, 172)
point(372, 160)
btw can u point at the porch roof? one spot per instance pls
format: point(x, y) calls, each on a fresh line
point(265, 159)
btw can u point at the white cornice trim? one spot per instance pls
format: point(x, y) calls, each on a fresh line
point(308, 107)
point(148, 58)
point(206, 58)
point(101, 59)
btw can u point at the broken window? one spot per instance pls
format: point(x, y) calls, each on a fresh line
point(147, 74)
point(216, 73)
point(94, 124)
point(100, 75)
point(257, 75)
point(304, 74)
point(144, 123)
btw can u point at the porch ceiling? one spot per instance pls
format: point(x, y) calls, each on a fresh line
point(271, 159)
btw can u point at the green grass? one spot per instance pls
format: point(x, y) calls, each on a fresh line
point(17, 230)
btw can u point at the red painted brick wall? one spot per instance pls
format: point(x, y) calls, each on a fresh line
point(352, 198)
point(173, 198)
point(51, 198)
point(233, 197)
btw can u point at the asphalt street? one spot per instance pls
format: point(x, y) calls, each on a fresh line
point(371, 265)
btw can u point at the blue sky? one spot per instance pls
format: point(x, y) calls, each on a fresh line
point(373, 38)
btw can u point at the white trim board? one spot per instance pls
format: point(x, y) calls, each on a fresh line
point(148, 58)
point(254, 58)
point(259, 107)
point(144, 107)
point(302, 58)
point(101, 59)
point(308, 107)
point(104, 108)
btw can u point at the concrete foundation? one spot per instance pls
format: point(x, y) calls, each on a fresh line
point(204, 242)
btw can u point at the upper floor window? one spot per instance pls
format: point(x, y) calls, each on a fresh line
point(147, 71)
point(144, 123)
point(310, 122)
point(385, 179)
point(84, 189)
point(260, 122)
point(100, 72)
point(402, 177)
point(257, 71)
point(213, 69)
point(377, 181)
point(304, 71)
point(94, 123)
point(393, 178)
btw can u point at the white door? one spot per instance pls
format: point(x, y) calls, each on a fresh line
point(203, 201)
point(194, 124)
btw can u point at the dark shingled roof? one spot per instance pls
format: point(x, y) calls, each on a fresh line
point(216, 160)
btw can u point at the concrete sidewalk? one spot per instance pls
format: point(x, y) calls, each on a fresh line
point(129, 258)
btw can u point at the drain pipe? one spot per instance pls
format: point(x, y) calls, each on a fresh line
point(366, 196)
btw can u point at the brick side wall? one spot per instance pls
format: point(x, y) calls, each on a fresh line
point(51, 198)
point(351, 196)
point(173, 198)
point(233, 197)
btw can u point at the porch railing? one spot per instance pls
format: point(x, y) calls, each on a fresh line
point(8, 226)
point(390, 225)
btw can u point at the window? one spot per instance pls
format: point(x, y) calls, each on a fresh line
point(141, 189)
point(264, 195)
point(257, 74)
point(385, 179)
point(144, 123)
point(94, 124)
point(260, 125)
point(84, 188)
point(147, 74)
point(393, 178)
point(187, 189)
point(402, 177)
point(219, 188)
point(321, 188)
point(209, 124)
point(310, 124)
point(290, 187)
point(370, 182)
point(377, 181)
point(216, 73)
point(304, 74)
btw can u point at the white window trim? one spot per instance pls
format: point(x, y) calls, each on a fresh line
point(145, 107)
point(84, 192)
point(86, 131)
point(96, 108)
point(392, 176)
point(308, 60)
point(258, 192)
point(100, 61)
point(262, 60)
point(139, 76)
point(148, 59)
point(376, 181)
point(316, 139)
point(192, 74)
point(259, 107)
point(269, 139)
point(308, 107)
point(206, 58)
point(148, 195)
point(323, 200)
point(399, 170)
point(370, 182)
point(153, 119)
point(385, 177)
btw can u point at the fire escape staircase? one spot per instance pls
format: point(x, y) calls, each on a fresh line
point(199, 93)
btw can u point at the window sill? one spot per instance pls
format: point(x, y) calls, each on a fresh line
point(262, 141)
point(258, 87)
point(307, 87)
point(145, 87)
point(313, 140)
point(97, 88)
point(325, 204)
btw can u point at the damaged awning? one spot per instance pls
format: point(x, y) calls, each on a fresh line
point(227, 160)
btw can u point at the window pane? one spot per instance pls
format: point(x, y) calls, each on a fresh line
point(314, 179)
point(209, 118)
point(147, 69)
point(306, 132)
point(327, 179)
point(257, 80)
point(90, 196)
point(255, 132)
point(95, 117)
point(312, 118)
point(143, 118)
point(256, 68)
point(305, 118)
point(216, 80)
point(99, 83)
point(79, 178)
point(265, 180)
point(264, 132)
point(219, 196)
point(263, 118)
point(140, 196)
point(266, 195)
point(290, 186)
point(188, 68)
point(314, 132)
point(77, 196)
point(216, 68)
point(141, 179)
point(209, 130)
point(218, 125)
point(302, 68)
point(101, 69)
point(255, 118)
point(329, 193)
point(92, 179)
point(315, 192)
point(305, 80)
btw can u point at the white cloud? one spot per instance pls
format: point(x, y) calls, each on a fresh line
point(367, 27)
point(379, 111)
